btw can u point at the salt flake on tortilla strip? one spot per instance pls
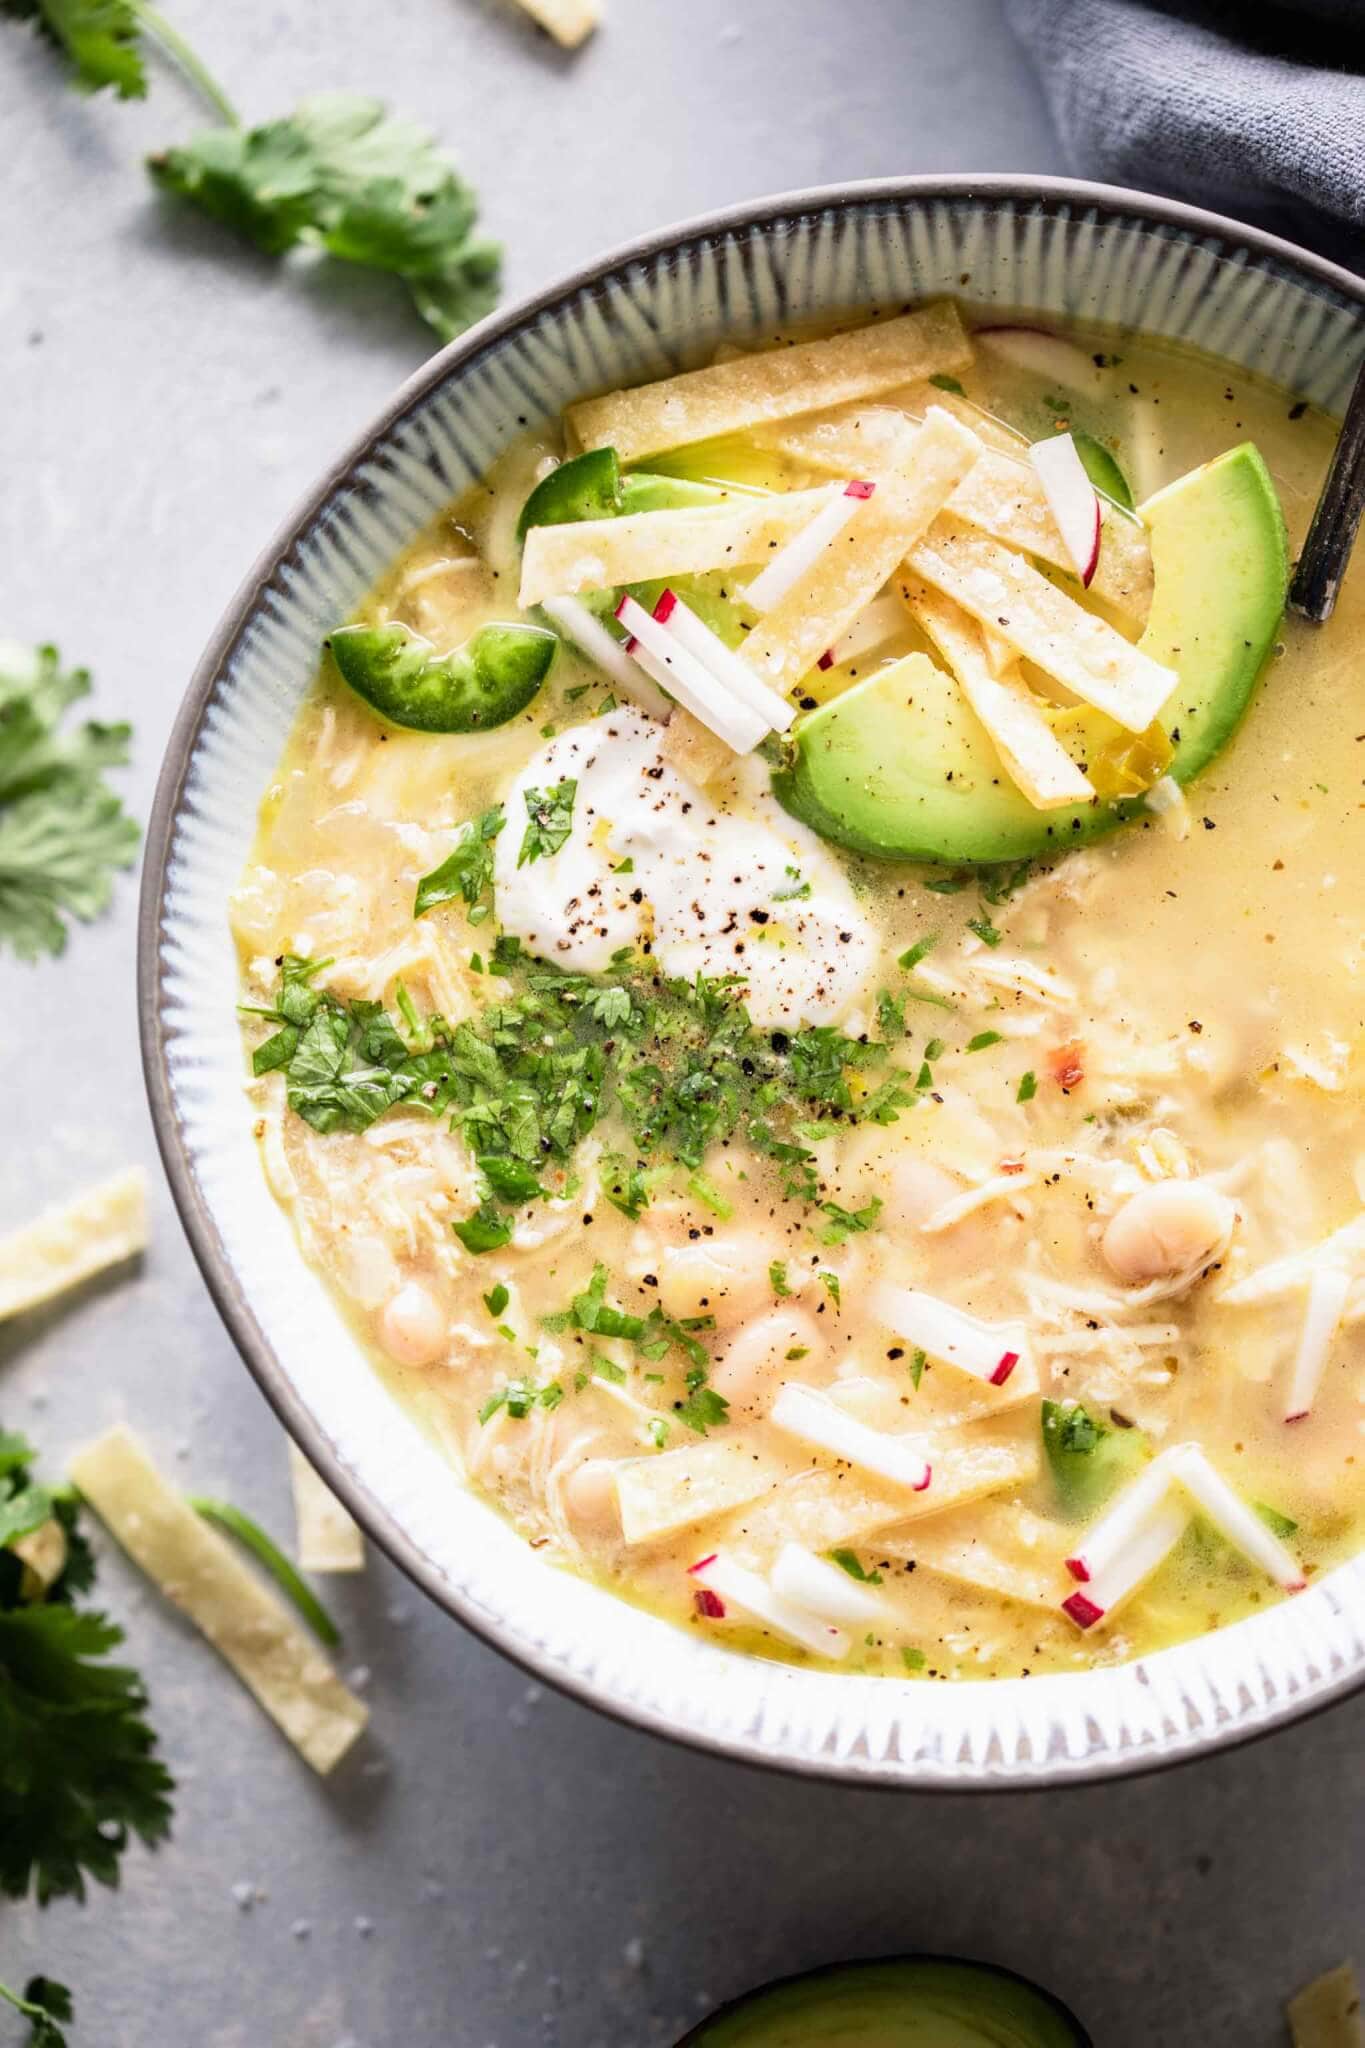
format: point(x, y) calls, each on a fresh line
point(819, 609)
point(243, 1620)
point(326, 1539)
point(570, 22)
point(773, 384)
point(830, 1504)
point(1085, 654)
point(658, 1495)
point(598, 554)
point(64, 1246)
point(1033, 756)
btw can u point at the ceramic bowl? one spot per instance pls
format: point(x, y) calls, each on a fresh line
point(1052, 246)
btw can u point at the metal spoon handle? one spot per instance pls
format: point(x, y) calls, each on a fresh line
point(1327, 549)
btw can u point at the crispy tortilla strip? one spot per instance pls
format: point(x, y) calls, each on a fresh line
point(325, 1539)
point(1000, 494)
point(570, 22)
point(821, 606)
point(597, 554)
point(832, 1504)
point(1001, 1548)
point(1047, 627)
point(773, 384)
point(677, 1488)
point(206, 1579)
point(1326, 2013)
point(1034, 757)
point(63, 1247)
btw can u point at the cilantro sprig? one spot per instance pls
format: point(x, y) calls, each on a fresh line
point(63, 830)
point(341, 175)
point(42, 2003)
point(78, 1770)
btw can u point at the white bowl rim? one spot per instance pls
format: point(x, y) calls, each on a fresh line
point(1065, 196)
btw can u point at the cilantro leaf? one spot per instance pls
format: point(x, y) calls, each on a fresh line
point(846, 1223)
point(550, 821)
point(63, 831)
point(704, 1409)
point(467, 870)
point(78, 1772)
point(98, 38)
point(344, 175)
point(849, 1561)
point(43, 2003)
point(484, 1231)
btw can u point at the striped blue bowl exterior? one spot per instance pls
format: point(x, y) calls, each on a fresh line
point(1056, 247)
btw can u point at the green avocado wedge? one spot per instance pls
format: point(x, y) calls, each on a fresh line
point(900, 768)
point(410, 683)
point(903, 2002)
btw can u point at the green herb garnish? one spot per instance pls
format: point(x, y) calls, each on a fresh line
point(550, 815)
point(1028, 1087)
point(63, 831)
point(467, 872)
point(295, 1590)
point(848, 1561)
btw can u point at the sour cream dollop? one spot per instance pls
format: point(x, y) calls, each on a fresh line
point(719, 884)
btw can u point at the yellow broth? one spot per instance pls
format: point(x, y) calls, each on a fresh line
point(1212, 984)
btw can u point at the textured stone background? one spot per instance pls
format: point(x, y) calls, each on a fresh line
point(498, 1867)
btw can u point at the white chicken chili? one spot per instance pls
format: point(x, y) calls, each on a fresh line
point(822, 1051)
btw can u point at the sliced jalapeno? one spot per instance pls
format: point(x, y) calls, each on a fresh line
point(591, 486)
point(588, 487)
point(482, 684)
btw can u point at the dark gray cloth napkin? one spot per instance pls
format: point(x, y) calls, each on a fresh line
point(1255, 110)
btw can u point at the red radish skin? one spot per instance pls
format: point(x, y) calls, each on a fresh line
point(826, 659)
point(1082, 1610)
point(630, 643)
point(1008, 1361)
point(928, 1475)
point(1078, 1569)
point(860, 488)
point(702, 1562)
point(1073, 500)
point(708, 1604)
point(667, 605)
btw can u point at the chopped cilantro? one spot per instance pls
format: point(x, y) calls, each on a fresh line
point(914, 1660)
point(511, 1180)
point(947, 885)
point(999, 883)
point(484, 1231)
point(466, 873)
point(794, 889)
point(703, 1409)
point(918, 1360)
point(550, 821)
point(831, 1286)
point(943, 382)
point(777, 1276)
point(848, 1561)
point(592, 1311)
point(919, 951)
point(890, 1015)
point(934, 1049)
point(1028, 1087)
point(625, 1185)
point(551, 1394)
point(658, 1431)
point(624, 867)
point(496, 1300)
point(983, 1039)
point(846, 1223)
point(710, 1196)
point(985, 930)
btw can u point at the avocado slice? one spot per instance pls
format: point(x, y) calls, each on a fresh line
point(902, 2002)
point(899, 767)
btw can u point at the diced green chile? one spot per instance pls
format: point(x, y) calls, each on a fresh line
point(482, 684)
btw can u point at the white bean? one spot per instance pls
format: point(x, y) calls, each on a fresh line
point(589, 1495)
point(414, 1328)
point(1175, 1226)
point(722, 1277)
point(755, 1364)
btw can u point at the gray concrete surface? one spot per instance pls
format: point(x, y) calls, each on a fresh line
point(499, 1869)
